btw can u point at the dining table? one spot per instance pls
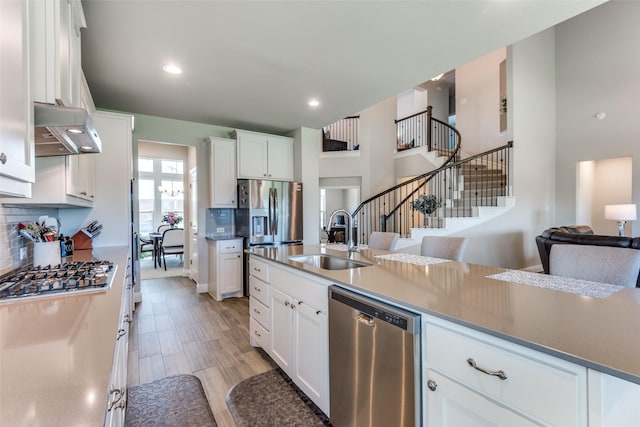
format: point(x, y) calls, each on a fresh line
point(157, 241)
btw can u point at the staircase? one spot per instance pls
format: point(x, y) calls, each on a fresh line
point(471, 191)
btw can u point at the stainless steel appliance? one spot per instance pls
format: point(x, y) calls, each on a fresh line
point(66, 278)
point(269, 212)
point(374, 362)
point(60, 131)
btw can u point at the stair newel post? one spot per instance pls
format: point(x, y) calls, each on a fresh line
point(428, 125)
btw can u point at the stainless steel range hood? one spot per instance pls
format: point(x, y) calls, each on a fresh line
point(60, 131)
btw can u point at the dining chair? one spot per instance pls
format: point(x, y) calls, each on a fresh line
point(605, 264)
point(444, 247)
point(383, 240)
point(172, 243)
point(146, 245)
point(163, 227)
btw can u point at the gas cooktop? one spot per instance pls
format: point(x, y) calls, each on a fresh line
point(61, 279)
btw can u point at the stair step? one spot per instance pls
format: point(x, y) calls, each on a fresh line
point(481, 172)
point(485, 201)
point(480, 185)
point(456, 212)
point(483, 192)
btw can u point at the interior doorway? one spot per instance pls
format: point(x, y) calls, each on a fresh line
point(599, 183)
point(162, 201)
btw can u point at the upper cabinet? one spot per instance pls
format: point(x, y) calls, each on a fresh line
point(55, 56)
point(264, 156)
point(223, 173)
point(17, 160)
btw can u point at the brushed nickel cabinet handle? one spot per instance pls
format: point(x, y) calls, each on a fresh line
point(432, 385)
point(500, 374)
point(3, 158)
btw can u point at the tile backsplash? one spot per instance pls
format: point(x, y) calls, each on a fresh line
point(220, 222)
point(11, 241)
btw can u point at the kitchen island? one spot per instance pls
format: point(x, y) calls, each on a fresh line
point(547, 339)
point(56, 353)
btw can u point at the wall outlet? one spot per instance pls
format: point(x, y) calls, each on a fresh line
point(23, 253)
point(220, 230)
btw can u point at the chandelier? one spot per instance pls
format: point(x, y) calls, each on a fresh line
point(172, 191)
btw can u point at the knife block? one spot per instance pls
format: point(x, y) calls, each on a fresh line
point(81, 240)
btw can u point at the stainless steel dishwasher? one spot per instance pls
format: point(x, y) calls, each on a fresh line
point(374, 362)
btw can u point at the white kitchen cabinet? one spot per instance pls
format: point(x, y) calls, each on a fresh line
point(60, 182)
point(223, 173)
point(613, 402)
point(17, 162)
point(225, 268)
point(535, 386)
point(80, 175)
point(56, 51)
point(300, 331)
point(453, 405)
point(259, 302)
point(117, 397)
point(281, 306)
point(264, 156)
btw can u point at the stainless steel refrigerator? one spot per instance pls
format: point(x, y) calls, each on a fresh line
point(269, 213)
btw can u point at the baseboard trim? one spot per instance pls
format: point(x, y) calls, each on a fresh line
point(202, 288)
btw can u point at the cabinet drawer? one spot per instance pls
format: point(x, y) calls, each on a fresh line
point(230, 246)
point(300, 287)
point(259, 269)
point(548, 389)
point(259, 334)
point(259, 312)
point(259, 290)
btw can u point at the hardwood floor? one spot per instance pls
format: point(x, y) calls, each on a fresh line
point(177, 331)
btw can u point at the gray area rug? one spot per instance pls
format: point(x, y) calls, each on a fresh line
point(271, 399)
point(178, 400)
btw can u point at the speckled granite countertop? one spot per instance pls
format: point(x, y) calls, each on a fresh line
point(56, 352)
point(599, 333)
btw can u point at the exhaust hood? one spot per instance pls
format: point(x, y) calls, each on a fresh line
point(60, 131)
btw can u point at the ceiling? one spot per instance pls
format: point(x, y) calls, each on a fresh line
point(255, 64)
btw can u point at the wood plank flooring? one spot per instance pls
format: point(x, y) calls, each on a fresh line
point(177, 331)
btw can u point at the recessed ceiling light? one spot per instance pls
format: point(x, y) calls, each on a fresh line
point(76, 131)
point(172, 69)
point(313, 103)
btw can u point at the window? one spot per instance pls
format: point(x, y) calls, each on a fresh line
point(160, 191)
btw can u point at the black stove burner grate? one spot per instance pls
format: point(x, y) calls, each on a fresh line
point(67, 277)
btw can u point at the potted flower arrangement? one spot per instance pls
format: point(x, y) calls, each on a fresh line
point(172, 219)
point(427, 204)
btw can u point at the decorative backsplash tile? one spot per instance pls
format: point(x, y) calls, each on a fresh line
point(11, 242)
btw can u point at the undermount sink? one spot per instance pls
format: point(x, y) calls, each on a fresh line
point(328, 262)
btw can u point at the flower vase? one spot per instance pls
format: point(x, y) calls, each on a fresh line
point(427, 221)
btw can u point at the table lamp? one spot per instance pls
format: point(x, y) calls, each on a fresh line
point(622, 214)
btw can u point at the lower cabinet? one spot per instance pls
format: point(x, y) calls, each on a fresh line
point(453, 405)
point(471, 378)
point(117, 398)
point(225, 268)
point(613, 402)
point(297, 326)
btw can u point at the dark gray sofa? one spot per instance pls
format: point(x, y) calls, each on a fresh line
point(579, 235)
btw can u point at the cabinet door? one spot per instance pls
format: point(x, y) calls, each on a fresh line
point(16, 117)
point(613, 402)
point(452, 405)
point(311, 355)
point(281, 329)
point(230, 273)
point(280, 158)
point(252, 155)
point(80, 176)
point(223, 173)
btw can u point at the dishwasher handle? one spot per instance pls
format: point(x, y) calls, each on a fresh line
point(395, 316)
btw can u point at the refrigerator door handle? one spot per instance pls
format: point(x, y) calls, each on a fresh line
point(275, 211)
point(271, 202)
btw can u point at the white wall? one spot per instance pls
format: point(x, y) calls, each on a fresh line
point(611, 186)
point(597, 71)
point(509, 241)
point(478, 102)
point(306, 151)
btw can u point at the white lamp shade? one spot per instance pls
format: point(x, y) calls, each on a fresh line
point(621, 212)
